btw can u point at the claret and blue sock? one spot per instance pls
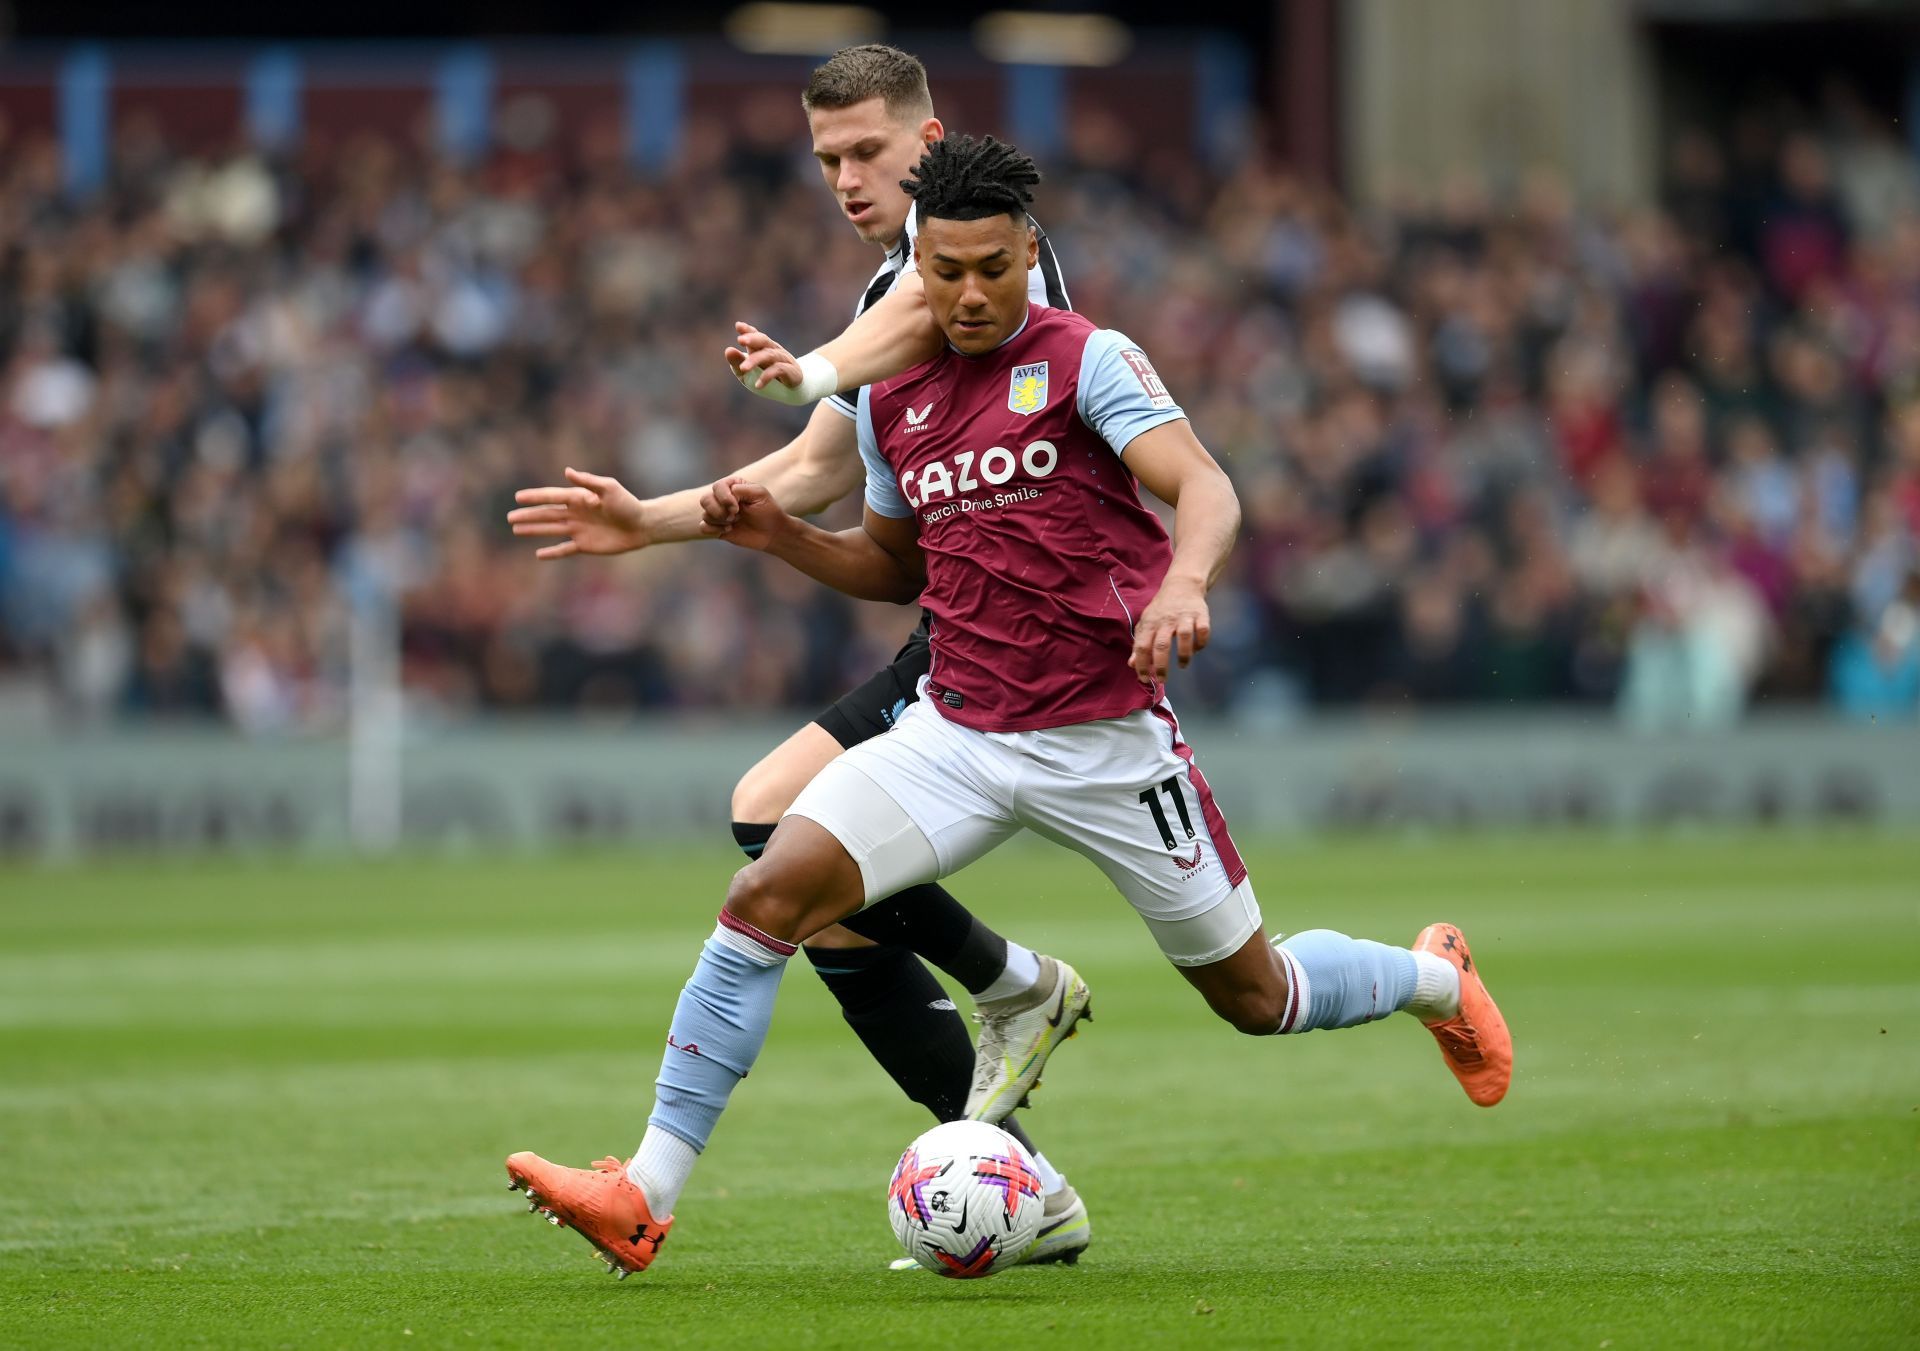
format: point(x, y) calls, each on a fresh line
point(719, 1026)
point(1339, 981)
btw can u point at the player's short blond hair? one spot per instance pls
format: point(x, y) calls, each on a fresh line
point(873, 70)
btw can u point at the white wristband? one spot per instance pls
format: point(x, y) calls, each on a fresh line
point(818, 378)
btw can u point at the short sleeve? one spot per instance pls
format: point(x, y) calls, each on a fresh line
point(883, 492)
point(1120, 393)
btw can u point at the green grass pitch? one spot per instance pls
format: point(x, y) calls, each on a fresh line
point(265, 1103)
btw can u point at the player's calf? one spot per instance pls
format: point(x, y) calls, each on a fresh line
point(1337, 981)
point(904, 1018)
point(1323, 979)
point(1248, 989)
point(1256, 1013)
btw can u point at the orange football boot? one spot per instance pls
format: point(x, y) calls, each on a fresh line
point(1475, 1043)
point(600, 1203)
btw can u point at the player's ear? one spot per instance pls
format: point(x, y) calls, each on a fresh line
point(931, 131)
point(1033, 248)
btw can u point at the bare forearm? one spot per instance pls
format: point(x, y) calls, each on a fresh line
point(895, 334)
point(849, 561)
point(801, 484)
point(1206, 522)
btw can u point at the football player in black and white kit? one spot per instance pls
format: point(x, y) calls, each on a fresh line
point(871, 116)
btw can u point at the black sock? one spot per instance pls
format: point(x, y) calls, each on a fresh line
point(906, 1020)
point(931, 922)
point(751, 837)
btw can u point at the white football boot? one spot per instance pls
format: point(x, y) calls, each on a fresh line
point(1064, 1234)
point(1018, 1034)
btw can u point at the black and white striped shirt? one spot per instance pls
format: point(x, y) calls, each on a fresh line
point(1044, 286)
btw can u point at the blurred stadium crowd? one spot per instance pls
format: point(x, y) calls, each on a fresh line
point(1490, 449)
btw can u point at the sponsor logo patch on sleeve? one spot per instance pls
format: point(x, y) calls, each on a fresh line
point(1149, 378)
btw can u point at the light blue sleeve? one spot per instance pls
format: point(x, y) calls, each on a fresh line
point(1120, 393)
point(883, 490)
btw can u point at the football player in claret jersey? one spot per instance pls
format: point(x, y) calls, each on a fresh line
point(870, 115)
point(1002, 494)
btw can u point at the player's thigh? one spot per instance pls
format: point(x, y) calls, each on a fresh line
point(1122, 793)
point(868, 710)
point(766, 791)
point(915, 805)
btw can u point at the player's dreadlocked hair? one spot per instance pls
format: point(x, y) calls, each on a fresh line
point(964, 179)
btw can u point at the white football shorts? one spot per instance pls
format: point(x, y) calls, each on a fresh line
point(929, 797)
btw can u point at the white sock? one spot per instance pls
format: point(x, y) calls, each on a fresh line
point(1021, 974)
point(660, 1168)
point(1300, 995)
point(1436, 988)
point(1052, 1180)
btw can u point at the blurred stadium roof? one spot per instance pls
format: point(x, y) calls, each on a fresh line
point(442, 18)
point(1254, 19)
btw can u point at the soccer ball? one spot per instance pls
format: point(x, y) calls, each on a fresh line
point(965, 1200)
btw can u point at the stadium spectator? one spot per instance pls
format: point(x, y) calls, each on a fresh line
point(1488, 450)
point(1876, 669)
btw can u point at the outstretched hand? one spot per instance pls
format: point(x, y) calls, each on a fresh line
point(593, 515)
point(757, 359)
point(742, 513)
point(1175, 624)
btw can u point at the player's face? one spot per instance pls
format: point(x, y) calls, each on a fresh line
point(863, 152)
point(975, 272)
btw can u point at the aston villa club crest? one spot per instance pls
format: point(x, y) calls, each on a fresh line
point(1027, 393)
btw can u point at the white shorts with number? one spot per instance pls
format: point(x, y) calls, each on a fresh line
point(931, 796)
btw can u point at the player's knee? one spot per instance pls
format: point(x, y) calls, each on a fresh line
point(760, 797)
point(762, 897)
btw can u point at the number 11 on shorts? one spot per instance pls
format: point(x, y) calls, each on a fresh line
point(1151, 796)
